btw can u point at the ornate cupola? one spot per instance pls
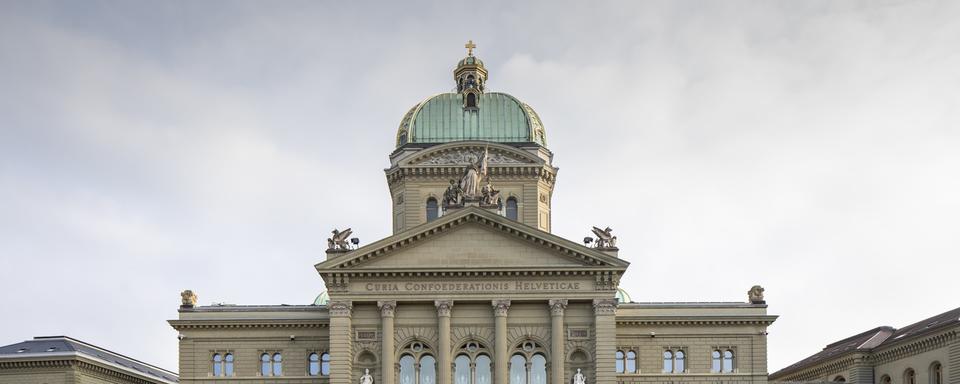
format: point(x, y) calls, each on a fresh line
point(471, 78)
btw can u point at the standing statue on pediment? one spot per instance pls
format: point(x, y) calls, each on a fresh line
point(489, 196)
point(472, 176)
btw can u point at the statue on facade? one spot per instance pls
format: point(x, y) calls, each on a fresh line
point(755, 294)
point(366, 378)
point(489, 196)
point(578, 378)
point(188, 298)
point(605, 238)
point(472, 176)
point(339, 240)
point(452, 195)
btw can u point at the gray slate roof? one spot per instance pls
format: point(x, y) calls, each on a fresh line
point(58, 345)
point(875, 338)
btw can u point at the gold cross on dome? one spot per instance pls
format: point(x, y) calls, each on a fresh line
point(470, 46)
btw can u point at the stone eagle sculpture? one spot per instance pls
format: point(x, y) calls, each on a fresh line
point(605, 238)
point(339, 240)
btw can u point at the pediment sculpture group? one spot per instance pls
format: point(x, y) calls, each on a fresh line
point(473, 186)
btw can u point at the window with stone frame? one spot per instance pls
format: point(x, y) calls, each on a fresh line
point(674, 360)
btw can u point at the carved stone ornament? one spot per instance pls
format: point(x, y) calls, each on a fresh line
point(500, 307)
point(339, 241)
point(557, 306)
point(605, 306)
point(578, 378)
point(188, 299)
point(340, 308)
point(755, 295)
point(443, 307)
point(387, 308)
point(465, 156)
point(605, 238)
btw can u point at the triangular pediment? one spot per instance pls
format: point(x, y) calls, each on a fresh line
point(472, 239)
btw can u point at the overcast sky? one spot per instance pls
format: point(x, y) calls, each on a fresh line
point(151, 147)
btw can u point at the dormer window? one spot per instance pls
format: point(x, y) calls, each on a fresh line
point(471, 100)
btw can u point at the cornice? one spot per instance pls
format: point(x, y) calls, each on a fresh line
point(695, 320)
point(909, 348)
point(236, 324)
point(500, 171)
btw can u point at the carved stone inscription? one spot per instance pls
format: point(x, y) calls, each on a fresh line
point(478, 286)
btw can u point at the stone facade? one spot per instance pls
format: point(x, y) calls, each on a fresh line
point(475, 292)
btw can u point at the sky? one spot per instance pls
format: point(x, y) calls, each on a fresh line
point(810, 147)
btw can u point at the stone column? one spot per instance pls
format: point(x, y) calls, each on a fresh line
point(443, 334)
point(605, 333)
point(557, 341)
point(387, 349)
point(501, 375)
point(341, 342)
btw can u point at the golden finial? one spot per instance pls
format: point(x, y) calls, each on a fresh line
point(470, 46)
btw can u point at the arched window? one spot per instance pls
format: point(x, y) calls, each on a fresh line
point(936, 373)
point(538, 369)
point(461, 369)
point(228, 365)
point(432, 209)
point(620, 362)
point(428, 370)
point(667, 361)
point(679, 362)
point(631, 362)
point(518, 370)
point(483, 370)
point(715, 364)
point(471, 100)
point(840, 379)
point(728, 361)
point(277, 364)
point(325, 364)
point(909, 376)
point(885, 379)
point(407, 370)
point(217, 364)
point(512, 208)
point(313, 364)
point(265, 364)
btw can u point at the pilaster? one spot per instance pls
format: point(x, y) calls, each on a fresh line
point(605, 334)
point(341, 342)
point(557, 341)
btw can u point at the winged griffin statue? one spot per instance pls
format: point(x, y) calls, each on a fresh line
point(339, 240)
point(605, 238)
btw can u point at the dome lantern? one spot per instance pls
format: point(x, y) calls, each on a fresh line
point(470, 77)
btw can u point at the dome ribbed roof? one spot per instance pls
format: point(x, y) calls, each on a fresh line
point(498, 117)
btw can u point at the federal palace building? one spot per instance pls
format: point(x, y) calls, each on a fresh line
point(472, 288)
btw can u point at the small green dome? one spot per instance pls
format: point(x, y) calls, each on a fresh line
point(623, 296)
point(498, 117)
point(322, 299)
point(470, 60)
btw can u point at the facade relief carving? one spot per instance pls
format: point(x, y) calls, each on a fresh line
point(557, 306)
point(443, 307)
point(501, 307)
point(605, 306)
point(465, 156)
point(387, 308)
point(340, 308)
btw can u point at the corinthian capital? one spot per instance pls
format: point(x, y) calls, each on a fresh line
point(443, 307)
point(387, 308)
point(557, 306)
point(605, 306)
point(500, 307)
point(340, 308)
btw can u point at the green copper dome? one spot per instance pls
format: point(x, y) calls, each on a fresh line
point(623, 296)
point(498, 117)
point(322, 299)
